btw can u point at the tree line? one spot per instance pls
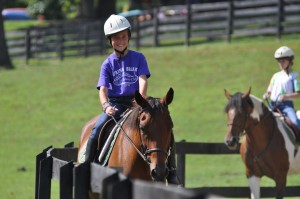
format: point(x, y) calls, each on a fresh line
point(53, 9)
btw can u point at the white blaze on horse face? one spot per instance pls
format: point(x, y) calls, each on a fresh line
point(257, 110)
point(254, 183)
point(230, 116)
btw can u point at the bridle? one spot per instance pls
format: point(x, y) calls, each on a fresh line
point(257, 157)
point(144, 152)
point(242, 127)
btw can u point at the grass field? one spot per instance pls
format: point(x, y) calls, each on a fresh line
point(48, 101)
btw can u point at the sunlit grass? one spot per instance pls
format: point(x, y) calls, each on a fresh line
point(48, 101)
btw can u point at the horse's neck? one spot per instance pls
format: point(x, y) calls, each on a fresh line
point(261, 131)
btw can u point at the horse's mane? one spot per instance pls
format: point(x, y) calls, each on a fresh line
point(155, 105)
point(236, 102)
point(153, 102)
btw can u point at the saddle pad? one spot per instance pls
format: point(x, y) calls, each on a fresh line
point(110, 142)
point(287, 129)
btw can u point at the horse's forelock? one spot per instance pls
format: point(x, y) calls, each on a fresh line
point(154, 104)
point(234, 103)
point(239, 104)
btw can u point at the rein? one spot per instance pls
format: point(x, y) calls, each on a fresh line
point(145, 152)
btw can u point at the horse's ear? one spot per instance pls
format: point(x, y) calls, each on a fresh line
point(169, 97)
point(227, 94)
point(245, 95)
point(140, 100)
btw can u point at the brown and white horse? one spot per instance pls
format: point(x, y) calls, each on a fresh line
point(266, 149)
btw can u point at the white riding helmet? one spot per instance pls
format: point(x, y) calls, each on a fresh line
point(115, 24)
point(284, 52)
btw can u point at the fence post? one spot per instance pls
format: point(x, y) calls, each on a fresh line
point(155, 26)
point(82, 174)
point(60, 41)
point(180, 164)
point(113, 187)
point(66, 181)
point(45, 176)
point(137, 32)
point(188, 23)
point(102, 38)
point(280, 17)
point(28, 45)
point(38, 160)
point(86, 40)
point(69, 145)
point(230, 20)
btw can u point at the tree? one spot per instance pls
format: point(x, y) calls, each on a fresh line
point(96, 9)
point(5, 61)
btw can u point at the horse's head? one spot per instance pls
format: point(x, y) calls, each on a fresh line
point(238, 109)
point(156, 126)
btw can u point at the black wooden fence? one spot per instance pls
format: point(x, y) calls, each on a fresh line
point(75, 182)
point(187, 148)
point(78, 181)
point(182, 25)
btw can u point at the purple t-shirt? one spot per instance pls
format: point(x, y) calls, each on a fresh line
point(121, 75)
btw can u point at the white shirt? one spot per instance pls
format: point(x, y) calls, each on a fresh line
point(283, 83)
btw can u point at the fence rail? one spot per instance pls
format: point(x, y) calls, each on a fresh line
point(185, 148)
point(76, 181)
point(188, 24)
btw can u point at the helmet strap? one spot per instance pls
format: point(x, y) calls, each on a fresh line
point(287, 68)
point(120, 52)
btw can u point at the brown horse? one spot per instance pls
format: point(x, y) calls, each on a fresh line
point(266, 149)
point(142, 146)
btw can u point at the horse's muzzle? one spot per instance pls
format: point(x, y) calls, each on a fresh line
point(159, 174)
point(232, 143)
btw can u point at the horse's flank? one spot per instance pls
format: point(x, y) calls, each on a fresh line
point(294, 161)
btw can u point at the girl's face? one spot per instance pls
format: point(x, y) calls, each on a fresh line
point(119, 41)
point(283, 63)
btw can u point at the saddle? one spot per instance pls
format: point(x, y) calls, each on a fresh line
point(110, 127)
point(293, 127)
point(104, 133)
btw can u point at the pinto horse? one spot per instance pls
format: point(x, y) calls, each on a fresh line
point(143, 143)
point(266, 149)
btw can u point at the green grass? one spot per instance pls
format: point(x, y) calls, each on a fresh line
point(15, 25)
point(47, 102)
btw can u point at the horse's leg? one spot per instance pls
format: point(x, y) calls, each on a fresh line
point(254, 183)
point(280, 186)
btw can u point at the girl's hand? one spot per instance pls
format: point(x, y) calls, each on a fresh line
point(111, 111)
point(282, 97)
point(266, 96)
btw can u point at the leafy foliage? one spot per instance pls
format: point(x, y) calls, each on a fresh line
point(52, 9)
